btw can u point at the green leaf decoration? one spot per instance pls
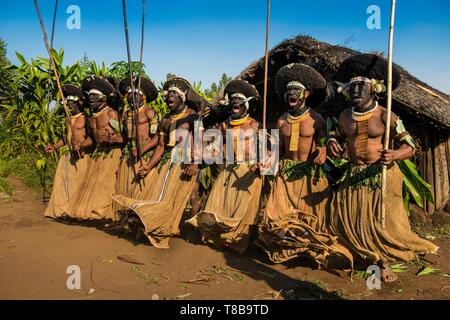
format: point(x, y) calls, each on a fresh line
point(427, 270)
point(115, 125)
point(398, 268)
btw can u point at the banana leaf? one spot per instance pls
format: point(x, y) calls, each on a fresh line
point(339, 163)
point(336, 170)
point(414, 184)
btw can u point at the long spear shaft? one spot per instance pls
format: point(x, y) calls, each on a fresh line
point(125, 22)
point(58, 83)
point(266, 65)
point(52, 36)
point(53, 24)
point(388, 118)
point(266, 71)
point(139, 80)
point(51, 47)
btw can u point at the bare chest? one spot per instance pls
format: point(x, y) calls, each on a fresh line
point(305, 130)
point(102, 122)
point(375, 127)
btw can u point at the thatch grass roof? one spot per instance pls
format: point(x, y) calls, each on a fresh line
point(416, 97)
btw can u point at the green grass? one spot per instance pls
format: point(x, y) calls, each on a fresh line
point(5, 186)
point(5, 171)
point(5, 168)
point(443, 231)
point(24, 168)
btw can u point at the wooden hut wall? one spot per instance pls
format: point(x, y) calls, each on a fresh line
point(433, 158)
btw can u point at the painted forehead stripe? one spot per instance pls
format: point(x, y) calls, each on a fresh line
point(95, 91)
point(360, 79)
point(295, 84)
point(239, 95)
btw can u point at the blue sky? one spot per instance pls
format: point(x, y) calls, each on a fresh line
point(201, 39)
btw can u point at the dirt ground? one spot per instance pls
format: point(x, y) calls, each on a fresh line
point(35, 253)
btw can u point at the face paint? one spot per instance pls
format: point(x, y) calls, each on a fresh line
point(295, 98)
point(73, 106)
point(237, 107)
point(361, 95)
point(136, 98)
point(96, 100)
point(173, 101)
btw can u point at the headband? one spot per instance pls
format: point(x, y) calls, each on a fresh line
point(177, 90)
point(73, 98)
point(95, 91)
point(295, 84)
point(360, 79)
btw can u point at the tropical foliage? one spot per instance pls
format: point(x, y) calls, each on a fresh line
point(31, 115)
point(5, 73)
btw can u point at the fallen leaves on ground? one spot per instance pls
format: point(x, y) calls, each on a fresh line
point(128, 259)
point(182, 296)
point(200, 278)
point(148, 279)
point(233, 276)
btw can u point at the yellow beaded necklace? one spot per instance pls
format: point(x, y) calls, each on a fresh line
point(97, 114)
point(239, 122)
point(295, 129)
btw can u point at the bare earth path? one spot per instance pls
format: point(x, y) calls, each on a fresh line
point(35, 252)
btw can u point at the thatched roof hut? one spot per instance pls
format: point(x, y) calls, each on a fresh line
point(413, 95)
point(425, 110)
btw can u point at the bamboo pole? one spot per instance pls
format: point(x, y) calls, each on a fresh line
point(388, 118)
point(266, 65)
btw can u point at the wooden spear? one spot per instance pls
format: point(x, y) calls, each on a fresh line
point(388, 118)
point(266, 65)
point(266, 72)
point(139, 81)
point(130, 68)
point(52, 61)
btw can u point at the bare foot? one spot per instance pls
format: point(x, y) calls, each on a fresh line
point(386, 274)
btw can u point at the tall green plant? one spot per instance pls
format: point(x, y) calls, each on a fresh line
point(33, 116)
point(6, 73)
point(120, 69)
